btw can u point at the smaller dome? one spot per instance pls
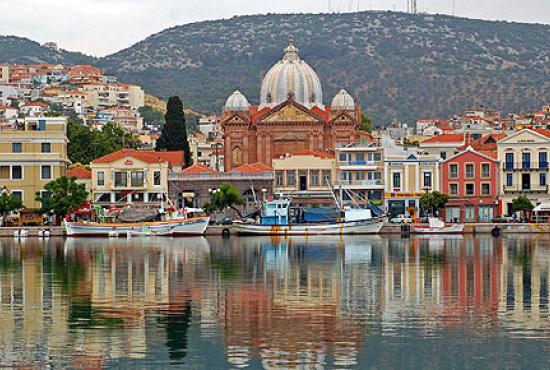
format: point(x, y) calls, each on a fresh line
point(343, 101)
point(237, 102)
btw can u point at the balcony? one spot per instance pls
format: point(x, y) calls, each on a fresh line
point(525, 166)
point(359, 184)
point(360, 165)
point(523, 188)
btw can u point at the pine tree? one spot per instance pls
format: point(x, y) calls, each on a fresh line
point(174, 132)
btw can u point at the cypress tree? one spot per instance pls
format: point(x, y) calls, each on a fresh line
point(174, 132)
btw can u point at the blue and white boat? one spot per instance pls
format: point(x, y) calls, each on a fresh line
point(275, 220)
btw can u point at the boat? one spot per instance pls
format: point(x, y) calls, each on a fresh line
point(275, 220)
point(436, 226)
point(177, 227)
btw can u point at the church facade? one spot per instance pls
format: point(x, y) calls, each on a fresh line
point(291, 116)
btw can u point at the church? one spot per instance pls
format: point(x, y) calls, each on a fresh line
point(291, 116)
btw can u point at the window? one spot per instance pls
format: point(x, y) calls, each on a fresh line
point(396, 180)
point(443, 155)
point(526, 160)
point(453, 189)
point(45, 172)
point(470, 189)
point(46, 148)
point(453, 171)
point(542, 179)
point(509, 158)
point(427, 180)
point(100, 178)
point(343, 157)
point(136, 178)
point(17, 194)
point(485, 170)
point(156, 178)
point(509, 180)
point(359, 176)
point(17, 172)
point(346, 176)
point(121, 179)
point(543, 160)
point(469, 214)
point(279, 178)
point(469, 170)
point(314, 181)
point(16, 148)
point(5, 172)
point(360, 157)
point(377, 157)
point(485, 189)
point(291, 178)
point(326, 177)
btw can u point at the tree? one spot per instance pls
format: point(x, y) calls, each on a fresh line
point(522, 204)
point(174, 132)
point(226, 196)
point(9, 203)
point(366, 123)
point(61, 196)
point(86, 143)
point(434, 201)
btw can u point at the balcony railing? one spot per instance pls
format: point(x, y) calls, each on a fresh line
point(361, 163)
point(525, 165)
point(173, 176)
point(362, 182)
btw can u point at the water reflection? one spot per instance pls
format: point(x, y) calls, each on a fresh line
point(271, 303)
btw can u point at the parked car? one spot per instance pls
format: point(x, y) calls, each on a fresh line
point(401, 219)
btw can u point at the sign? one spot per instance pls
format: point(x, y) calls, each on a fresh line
point(403, 195)
point(129, 162)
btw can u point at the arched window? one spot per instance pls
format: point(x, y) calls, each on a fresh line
point(237, 157)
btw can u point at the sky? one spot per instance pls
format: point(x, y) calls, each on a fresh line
point(101, 27)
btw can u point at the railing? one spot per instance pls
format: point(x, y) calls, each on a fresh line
point(361, 163)
point(362, 182)
point(172, 176)
point(525, 165)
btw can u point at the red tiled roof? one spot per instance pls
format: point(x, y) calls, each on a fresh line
point(80, 173)
point(542, 131)
point(35, 104)
point(317, 154)
point(175, 158)
point(5, 107)
point(445, 138)
point(482, 144)
point(253, 167)
point(198, 168)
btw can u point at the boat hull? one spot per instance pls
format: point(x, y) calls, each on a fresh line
point(344, 228)
point(453, 229)
point(183, 227)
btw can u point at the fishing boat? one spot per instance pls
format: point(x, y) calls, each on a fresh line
point(176, 227)
point(436, 226)
point(275, 220)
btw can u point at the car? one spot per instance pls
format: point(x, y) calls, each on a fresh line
point(401, 219)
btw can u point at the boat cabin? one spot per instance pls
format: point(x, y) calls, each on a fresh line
point(276, 212)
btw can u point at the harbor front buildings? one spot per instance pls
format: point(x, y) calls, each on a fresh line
point(33, 156)
point(470, 178)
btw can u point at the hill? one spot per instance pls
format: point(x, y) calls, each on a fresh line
point(398, 65)
point(19, 50)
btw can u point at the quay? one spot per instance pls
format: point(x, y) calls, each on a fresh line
point(387, 229)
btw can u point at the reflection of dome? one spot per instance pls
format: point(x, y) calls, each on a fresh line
point(237, 102)
point(343, 101)
point(293, 76)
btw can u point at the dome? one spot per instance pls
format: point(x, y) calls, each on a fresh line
point(293, 76)
point(237, 102)
point(343, 101)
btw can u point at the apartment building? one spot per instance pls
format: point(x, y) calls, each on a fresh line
point(102, 96)
point(33, 156)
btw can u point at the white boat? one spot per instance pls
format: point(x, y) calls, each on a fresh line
point(147, 233)
point(177, 227)
point(436, 226)
point(275, 221)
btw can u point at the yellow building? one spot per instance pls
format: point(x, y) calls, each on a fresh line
point(306, 177)
point(131, 176)
point(407, 176)
point(33, 156)
point(524, 167)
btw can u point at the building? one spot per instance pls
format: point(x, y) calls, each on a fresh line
point(34, 109)
point(102, 96)
point(471, 180)
point(444, 145)
point(130, 176)
point(33, 156)
point(360, 171)
point(524, 158)
point(408, 175)
point(291, 116)
point(83, 177)
point(306, 177)
point(206, 152)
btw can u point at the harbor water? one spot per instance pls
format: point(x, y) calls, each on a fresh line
point(441, 302)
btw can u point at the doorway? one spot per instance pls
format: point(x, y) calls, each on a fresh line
point(303, 182)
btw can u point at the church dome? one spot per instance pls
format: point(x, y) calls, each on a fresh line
point(343, 101)
point(237, 102)
point(293, 76)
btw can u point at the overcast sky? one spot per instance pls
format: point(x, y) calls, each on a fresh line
point(100, 27)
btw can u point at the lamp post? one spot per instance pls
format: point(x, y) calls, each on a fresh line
point(263, 194)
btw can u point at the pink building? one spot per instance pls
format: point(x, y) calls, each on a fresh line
point(471, 180)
